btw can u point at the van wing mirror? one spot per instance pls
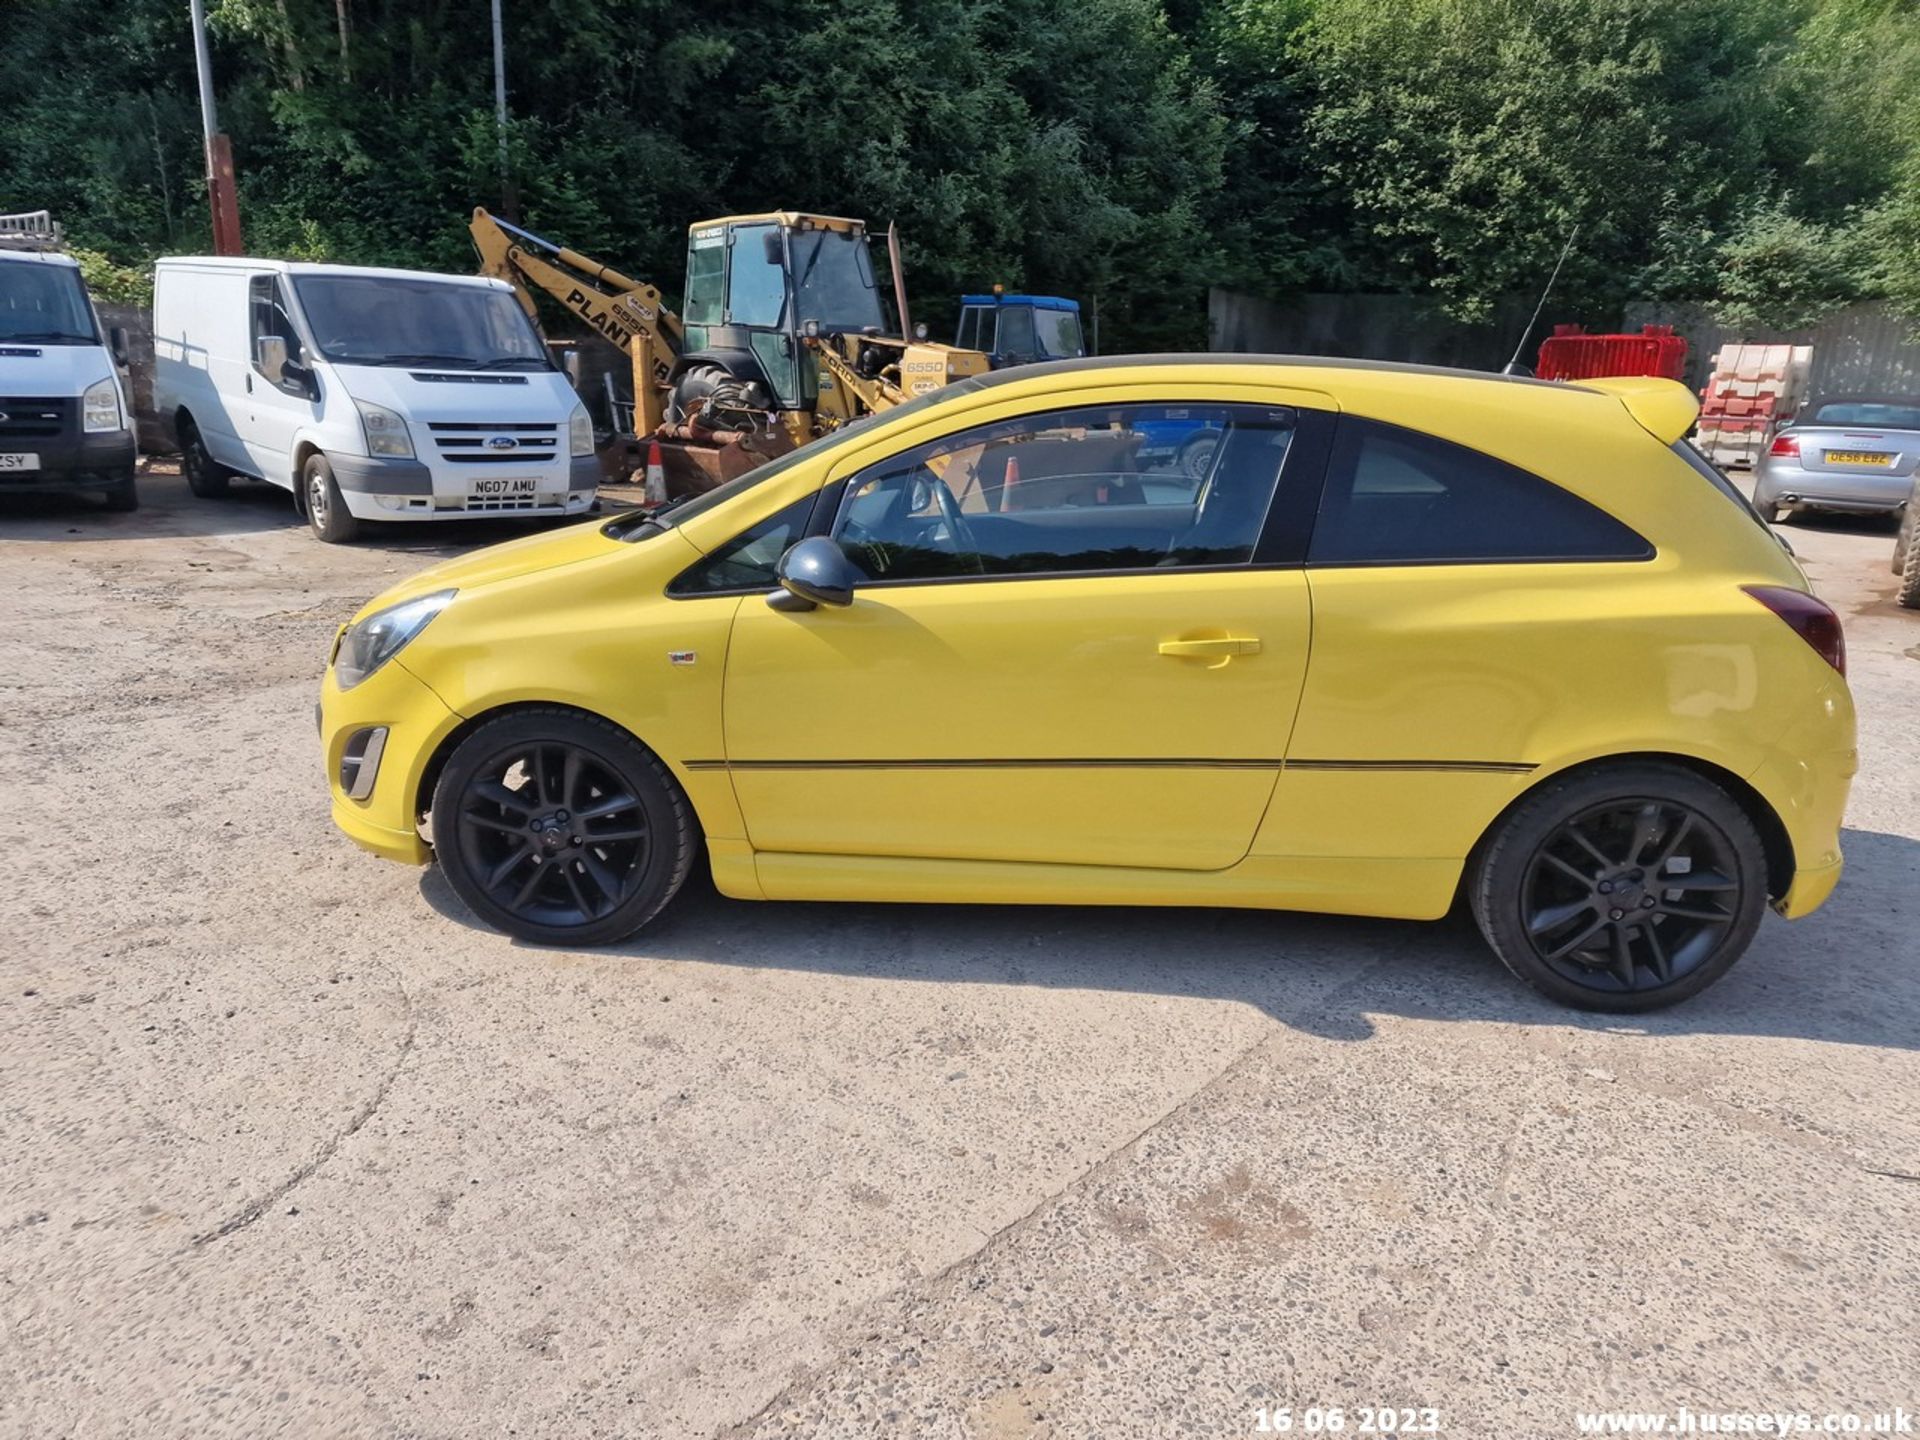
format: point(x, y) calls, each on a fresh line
point(570, 363)
point(117, 344)
point(270, 355)
point(773, 246)
point(814, 571)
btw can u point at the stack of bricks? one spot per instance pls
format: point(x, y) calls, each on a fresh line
point(1753, 389)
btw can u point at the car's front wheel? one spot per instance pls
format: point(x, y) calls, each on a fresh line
point(560, 828)
point(1621, 888)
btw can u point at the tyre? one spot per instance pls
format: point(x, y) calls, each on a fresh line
point(1907, 592)
point(123, 495)
point(560, 828)
point(1771, 513)
point(1903, 538)
point(1195, 457)
point(1622, 888)
point(327, 513)
point(206, 477)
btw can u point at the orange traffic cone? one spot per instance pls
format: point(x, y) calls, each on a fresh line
point(656, 483)
point(1009, 482)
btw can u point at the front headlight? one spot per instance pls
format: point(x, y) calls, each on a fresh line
point(580, 431)
point(100, 407)
point(386, 431)
point(370, 643)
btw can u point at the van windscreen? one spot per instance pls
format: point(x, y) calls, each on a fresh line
point(387, 320)
point(44, 305)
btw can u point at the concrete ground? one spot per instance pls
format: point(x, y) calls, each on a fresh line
point(289, 1145)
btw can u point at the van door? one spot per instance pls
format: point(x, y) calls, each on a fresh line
point(275, 410)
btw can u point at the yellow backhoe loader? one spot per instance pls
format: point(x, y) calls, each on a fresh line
point(781, 336)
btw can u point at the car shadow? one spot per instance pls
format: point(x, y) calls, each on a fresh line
point(1840, 523)
point(1846, 975)
point(169, 510)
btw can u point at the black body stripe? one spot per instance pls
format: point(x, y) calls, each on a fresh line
point(1495, 767)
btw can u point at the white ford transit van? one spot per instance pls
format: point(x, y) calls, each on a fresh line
point(371, 394)
point(64, 420)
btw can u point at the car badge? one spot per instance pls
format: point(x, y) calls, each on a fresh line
point(502, 442)
point(682, 657)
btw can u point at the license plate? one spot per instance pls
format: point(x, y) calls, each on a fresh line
point(19, 462)
point(502, 487)
point(1859, 457)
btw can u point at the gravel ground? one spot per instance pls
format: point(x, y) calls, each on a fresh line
point(292, 1146)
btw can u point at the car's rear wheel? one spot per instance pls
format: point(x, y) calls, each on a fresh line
point(206, 477)
point(1903, 538)
point(560, 828)
point(1771, 513)
point(1624, 888)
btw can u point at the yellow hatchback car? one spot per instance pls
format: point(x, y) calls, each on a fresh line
point(1404, 635)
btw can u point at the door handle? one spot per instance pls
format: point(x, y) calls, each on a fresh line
point(249, 384)
point(1205, 649)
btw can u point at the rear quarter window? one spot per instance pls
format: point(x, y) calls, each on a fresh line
point(1398, 496)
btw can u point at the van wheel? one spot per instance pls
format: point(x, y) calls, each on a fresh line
point(561, 828)
point(123, 496)
point(1624, 888)
point(206, 477)
point(327, 513)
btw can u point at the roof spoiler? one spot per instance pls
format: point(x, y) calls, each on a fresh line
point(1665, 409)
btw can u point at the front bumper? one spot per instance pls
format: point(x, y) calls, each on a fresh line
point(386, 820)
point(385, 488)
point(70, 463)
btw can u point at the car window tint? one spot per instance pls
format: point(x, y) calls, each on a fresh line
point(1119, 487)
point(747, 561)
point(1879, 414)
point(1395, 495)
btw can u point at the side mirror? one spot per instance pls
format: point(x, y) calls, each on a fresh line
point(270, 354)
point(570, 363)
point(920, 330)
point(117, 343)
point(773, 246)
point(816, 571)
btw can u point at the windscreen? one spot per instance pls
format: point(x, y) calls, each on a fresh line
point(833, 281)
point(44, 305)
point(388, 320)
point(1878, 414)
point(1059, 332)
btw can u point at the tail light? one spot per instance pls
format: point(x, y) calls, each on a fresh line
point(1812, 620)
point(1788, 445)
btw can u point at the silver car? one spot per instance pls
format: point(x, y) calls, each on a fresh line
point(1851, 453)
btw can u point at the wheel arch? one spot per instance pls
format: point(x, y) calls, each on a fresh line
point(1774, 839)
point(303, 449)
point(451, 741)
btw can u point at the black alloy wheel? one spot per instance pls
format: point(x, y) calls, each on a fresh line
point(559, 828)
point(1623, 890)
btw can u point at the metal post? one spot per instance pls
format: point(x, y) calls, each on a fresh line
point(222, 198)
point(509, 202)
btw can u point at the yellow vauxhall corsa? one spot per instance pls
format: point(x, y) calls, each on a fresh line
point(1399, 635)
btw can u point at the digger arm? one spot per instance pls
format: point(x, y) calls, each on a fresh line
point(863, 396)
point(623, 311)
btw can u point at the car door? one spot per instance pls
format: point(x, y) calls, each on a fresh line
point(275, 409)
point(1060, 655)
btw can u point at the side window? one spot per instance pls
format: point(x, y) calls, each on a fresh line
point(1118, 487)
point(747, 561)
point(969, 336)
point(267, 315)
point(756, 289)
point(1396, 496)
point(706, 277)
point(1015, 338)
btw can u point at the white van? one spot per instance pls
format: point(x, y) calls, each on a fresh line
point(370, 394)
point(64, 420)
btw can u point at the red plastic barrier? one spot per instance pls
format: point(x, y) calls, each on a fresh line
point(1572, 354)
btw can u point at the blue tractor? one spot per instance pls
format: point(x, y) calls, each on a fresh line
point(1020, 329)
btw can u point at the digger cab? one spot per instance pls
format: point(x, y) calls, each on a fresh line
point(755, 281)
